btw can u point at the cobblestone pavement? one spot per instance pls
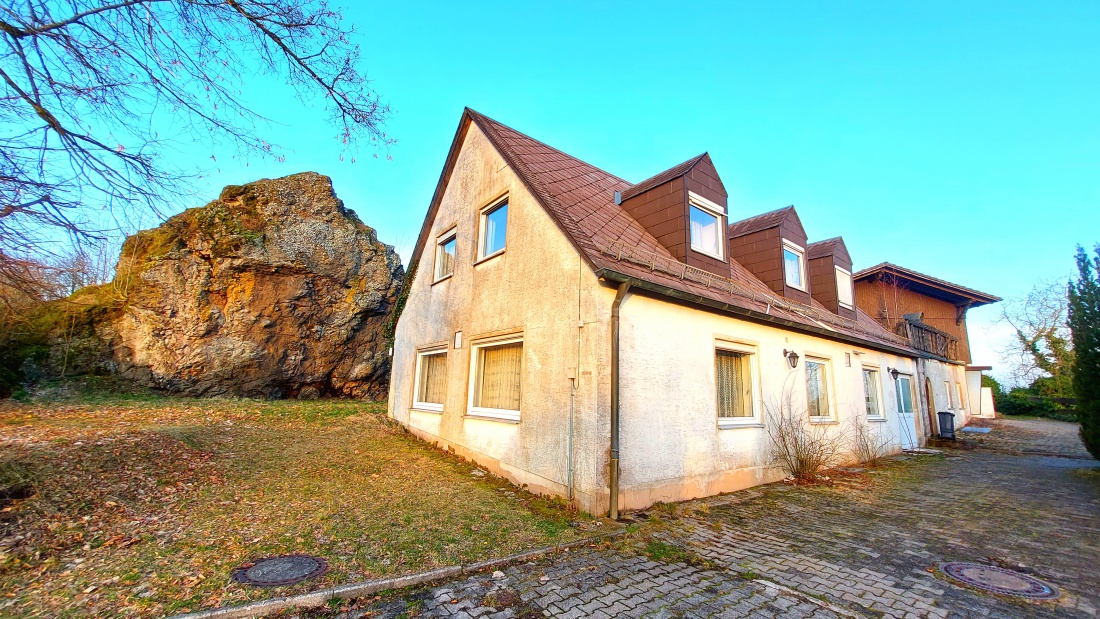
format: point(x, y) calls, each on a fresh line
point(868, 546)
point(1030, 436)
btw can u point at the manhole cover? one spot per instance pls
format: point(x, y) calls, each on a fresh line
point(1000, 580)
point(278, 571)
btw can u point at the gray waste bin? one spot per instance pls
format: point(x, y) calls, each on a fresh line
point(947, 425)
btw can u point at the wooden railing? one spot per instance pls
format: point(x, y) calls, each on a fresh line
point(929, 339)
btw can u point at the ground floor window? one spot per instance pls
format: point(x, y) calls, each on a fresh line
point(959, 394)
point(817, 388)
point(733, 378)
point(431, 379)
point(497, 374)
point(872, 402)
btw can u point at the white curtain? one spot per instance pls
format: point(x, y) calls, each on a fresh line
point(818, 389)
point(498, 376)
point(734, 384)
point(870, 391)
point(433, 378)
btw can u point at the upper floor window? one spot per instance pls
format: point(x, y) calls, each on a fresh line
point(817, 388)
point(706, 227)
point(445, 255)
point(794, 268)
point(844, 288)
point(494, 229)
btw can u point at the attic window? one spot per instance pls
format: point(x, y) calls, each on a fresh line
point(706, 227)
point(494, 230)
point(794, 268)
point(844, 288)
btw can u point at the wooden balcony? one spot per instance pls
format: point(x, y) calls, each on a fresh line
point(929, 339)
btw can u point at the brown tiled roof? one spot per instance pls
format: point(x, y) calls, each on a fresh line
point(823, 248)
point(757, 223)
point(580, 199)
point(662, 177)
point(975, 297)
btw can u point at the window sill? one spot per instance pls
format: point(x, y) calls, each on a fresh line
point(490, 256)
point(700, 250)
point(490, 417)
point(877, 419)
point(824, 421)
point(444, 278)
point(733, 425)
point(420, 408)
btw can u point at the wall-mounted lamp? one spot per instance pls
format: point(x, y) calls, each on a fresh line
point(893, 373)
point(792, 357)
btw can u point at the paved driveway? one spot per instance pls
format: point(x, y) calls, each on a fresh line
point(868, 546)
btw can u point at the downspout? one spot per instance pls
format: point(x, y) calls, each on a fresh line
point(613, 512)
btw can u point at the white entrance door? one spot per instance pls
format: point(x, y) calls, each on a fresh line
point(904, 388)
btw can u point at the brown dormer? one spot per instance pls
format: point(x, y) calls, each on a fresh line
point(773, 247)
point(831, 276)
point(684, 207)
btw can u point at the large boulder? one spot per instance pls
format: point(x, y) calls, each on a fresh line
point(272, 290)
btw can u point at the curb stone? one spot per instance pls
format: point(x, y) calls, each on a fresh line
point(314, 599)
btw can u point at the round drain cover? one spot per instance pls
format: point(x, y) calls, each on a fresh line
point(999, 580)
point(278, 571)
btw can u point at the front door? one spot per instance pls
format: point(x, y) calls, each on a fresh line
point(903, 387)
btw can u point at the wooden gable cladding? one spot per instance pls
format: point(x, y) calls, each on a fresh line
point(757, 244)
point(888, 300)
point(662, 203)
point(823, 259)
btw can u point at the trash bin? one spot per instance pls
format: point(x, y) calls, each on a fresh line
point(947, 425)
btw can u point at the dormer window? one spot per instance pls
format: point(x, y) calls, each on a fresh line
point(844, 288)
point(794, 265)
point(706, 227)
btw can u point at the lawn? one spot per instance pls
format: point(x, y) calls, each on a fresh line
point(142, 507)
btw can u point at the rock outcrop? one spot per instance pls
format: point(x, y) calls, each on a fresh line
point(272, 290)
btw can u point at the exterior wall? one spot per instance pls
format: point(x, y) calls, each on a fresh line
point(538, 287)
point(823, 284)
point(937, 372)
point(761, 253)
point(974, 394)
point(662, 211)
point(886, 303)
point(671, 446)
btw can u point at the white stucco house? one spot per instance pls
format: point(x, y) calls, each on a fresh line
point(621, 344)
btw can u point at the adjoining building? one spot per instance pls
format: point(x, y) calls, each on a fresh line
point(622, 344)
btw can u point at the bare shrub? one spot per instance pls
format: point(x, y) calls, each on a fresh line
point(870, 444)
point(801, 448)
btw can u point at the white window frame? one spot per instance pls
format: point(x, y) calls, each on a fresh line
point(440, 241)
point(788, 245)
point(483, 218)
point(756, 407)
point(499, 414)
point(829, 387)
point(959, 393)
point(431, 407)
point(851, 289)
point(881, 415)
point(710, 208)
point(950, 397)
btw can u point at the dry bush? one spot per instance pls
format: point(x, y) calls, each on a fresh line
point(870, 444)
point(801, 448)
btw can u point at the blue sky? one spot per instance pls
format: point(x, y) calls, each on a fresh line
point(957, 139)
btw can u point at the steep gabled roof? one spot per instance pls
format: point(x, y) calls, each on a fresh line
point(759, 222)
point(579, 197)
point(928, 285)
point(662, 177)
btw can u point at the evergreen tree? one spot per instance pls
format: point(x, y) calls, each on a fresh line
point(1084, 322)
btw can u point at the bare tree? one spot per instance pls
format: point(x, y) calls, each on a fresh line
point(92, 93)
point(1041, 352)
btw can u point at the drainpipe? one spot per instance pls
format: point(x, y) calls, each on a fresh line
point(613, 513)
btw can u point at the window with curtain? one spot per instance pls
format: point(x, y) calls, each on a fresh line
point(817, 388)
point(734, 380)
point(431, 380)
point(445, 257)
point(844, 287)
point(494, 229)
point(497, 379)
point(870, 393)
point(706, 232)
point(792, 267)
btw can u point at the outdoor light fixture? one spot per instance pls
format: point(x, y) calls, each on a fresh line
point(893, 373)
point(792, 357)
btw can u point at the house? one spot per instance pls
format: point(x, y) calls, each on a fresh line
point(931, 314)
point(621, 344)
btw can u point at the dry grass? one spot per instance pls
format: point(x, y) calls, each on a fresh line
point(142, 508)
